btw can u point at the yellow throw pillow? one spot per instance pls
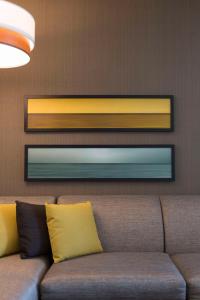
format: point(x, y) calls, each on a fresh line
point(9, 242)
point(72, 230)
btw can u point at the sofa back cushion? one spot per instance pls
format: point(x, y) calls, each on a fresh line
point(181, 215)
point(125, 222)
point(28, 199)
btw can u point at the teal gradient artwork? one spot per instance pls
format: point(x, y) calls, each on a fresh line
point(92, 162)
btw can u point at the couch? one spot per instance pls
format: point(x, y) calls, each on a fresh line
point(20, 279)
point(151, 252)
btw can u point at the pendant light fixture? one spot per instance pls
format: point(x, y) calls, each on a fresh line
point(17, 35)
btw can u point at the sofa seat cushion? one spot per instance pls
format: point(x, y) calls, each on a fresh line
point(114, 275)
point(19, 279)
point(189, 266)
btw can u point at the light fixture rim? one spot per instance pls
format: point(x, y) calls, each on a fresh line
point(7, 44)
point(25, 34)
point(16, 66)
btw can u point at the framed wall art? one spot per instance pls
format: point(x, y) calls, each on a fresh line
point(97, 113)
point(105, 162)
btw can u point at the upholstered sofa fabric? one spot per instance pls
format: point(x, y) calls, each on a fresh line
point(118, 276)
point(28, 199)
point(181, 217)
point(126, 222)
point(189, 266)
point(19, 279)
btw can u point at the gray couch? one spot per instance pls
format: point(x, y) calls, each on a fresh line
point(152, 252)
point(20, 279)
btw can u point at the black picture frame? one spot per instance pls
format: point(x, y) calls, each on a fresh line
point(54, 130)
point(29, 146)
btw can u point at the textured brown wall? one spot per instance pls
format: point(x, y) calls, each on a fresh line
point(107, 47)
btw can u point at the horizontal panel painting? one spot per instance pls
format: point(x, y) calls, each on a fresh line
point(136, 162)
point(64, 113)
